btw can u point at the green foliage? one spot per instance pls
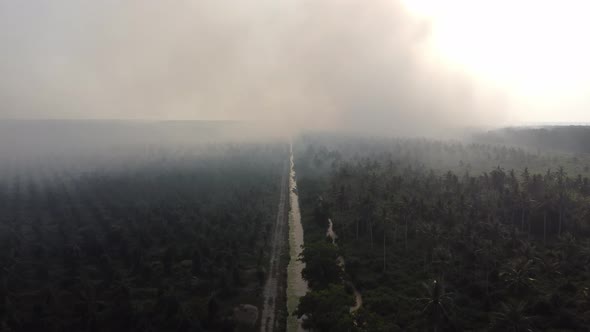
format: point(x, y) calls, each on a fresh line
point(327, 309)
point(321, 266)
point(170, 243)
point(495, 225)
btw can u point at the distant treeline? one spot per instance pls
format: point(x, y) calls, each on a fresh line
point(564, 138)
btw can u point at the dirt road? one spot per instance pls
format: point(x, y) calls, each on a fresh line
point(296, 285)
point(272, 287)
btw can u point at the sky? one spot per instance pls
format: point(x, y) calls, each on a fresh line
point(379, 65)
point(535, 50)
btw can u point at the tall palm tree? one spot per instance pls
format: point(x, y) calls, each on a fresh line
point(433, 233)
point(386, 221)
point(487, 256)
point(563, 200)
point(524, 207)
point(441, 260)
point(544, 205)
point(437, 304)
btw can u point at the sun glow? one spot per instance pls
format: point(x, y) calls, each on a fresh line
point(536, 49)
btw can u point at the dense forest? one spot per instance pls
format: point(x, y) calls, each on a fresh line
point(444, 236)
point(173, 235)
point(173, 241)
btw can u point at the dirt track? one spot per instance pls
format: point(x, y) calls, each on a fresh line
point(357, 295)
point(296, 285)
point(272, 287)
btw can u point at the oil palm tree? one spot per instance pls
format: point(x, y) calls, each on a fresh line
point(437, 304)
point(547, 266)
point(487, 256)
point(517, 276)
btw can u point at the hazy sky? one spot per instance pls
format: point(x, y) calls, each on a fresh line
point(379, 64)
point(535, 50)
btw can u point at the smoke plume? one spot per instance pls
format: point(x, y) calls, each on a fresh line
point(335, 64)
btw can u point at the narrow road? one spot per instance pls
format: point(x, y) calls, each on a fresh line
point(271, 288)
point(357, 295)
point(296, 285)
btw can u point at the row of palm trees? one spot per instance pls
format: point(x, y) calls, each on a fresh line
point(166, 248)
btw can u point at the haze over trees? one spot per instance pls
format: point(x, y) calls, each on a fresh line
point(166, 238)
point(147, 180)
point(572, 138)
point(445, 236)
point(172, 231)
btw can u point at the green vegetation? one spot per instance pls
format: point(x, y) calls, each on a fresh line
point(172, 243)
point(328, 308)
point(436, 236)
point(445, 236)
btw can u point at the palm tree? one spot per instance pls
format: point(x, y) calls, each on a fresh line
point(526, 250)
point(436, 304)
point(526, 178)
point(518, 276)
point(563, 202)
point(487, 254)
point(385, 220)
point(401, 208)
point(524, 207)
point(432, 233)
point(544, 205)
point(408, 209)
point(547, 266)
point(568, 251)
point(568, 245)
point(441, 260)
